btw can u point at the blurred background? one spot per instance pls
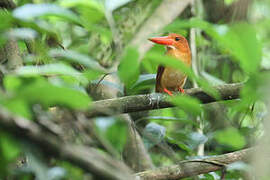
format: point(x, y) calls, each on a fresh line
point(57, 57)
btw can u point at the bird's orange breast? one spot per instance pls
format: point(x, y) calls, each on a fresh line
point(173, 79)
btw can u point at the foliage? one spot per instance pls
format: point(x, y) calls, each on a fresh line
point(67, 46)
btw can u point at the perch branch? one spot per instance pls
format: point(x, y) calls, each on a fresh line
point(195, 167)
point(144, 102)
point(99, 165)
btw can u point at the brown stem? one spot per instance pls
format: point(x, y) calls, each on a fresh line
point(195, 167)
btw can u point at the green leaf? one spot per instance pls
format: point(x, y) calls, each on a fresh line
point(30, 11)
point(208, 88)
point(168, 118)
point(48, 69)
point(145, 81)
point(207, 177)
point(56, 172)
point(195, 139)
point(244, 46)
point(22, 33)
point(18, 107)
point(187, 103)
point(229, 2)
point(212, 79)
point(39, 90)
point(92, 75)
point(72, 171)
point(91, 11)
point(239, 165)
point(181, 144)
point(184, 146)
point(6, 19)
point(153, 134)
point(230, 137)
point(6, 23)
point(41, 27)
point(114, 130)
point(9, 151)
point(78, 58)
point(12, 83)
point(51, 69)
point(170, 62)
point(116, 133)
point(9, 147)
point(193, 22)
point(252, 91)
point(128, 69)
point(50, 95)
point(111, 5)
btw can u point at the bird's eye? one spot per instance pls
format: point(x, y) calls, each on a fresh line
point(177, 38)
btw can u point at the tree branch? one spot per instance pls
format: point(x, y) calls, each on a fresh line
point(162, 16)
point(8, 4)
point(99, 165)
point(134, 153)
point(144, 102)
point(195, 167)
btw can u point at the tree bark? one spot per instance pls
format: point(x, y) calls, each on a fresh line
point(134, 152)
point(99, 165)
point(162, 16)
point(144, 102)
point(195, 167)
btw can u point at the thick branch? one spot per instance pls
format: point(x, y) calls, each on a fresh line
point(11, 51)
point(99, 165)
point(8, 4)
point(156, 100)
point(162, 16)
point(195, 167)
point(134, 153)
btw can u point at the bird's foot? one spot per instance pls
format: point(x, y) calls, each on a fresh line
point(167, 91)
point(181, 90)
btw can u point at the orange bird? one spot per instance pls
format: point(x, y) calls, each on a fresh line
point(169, 79)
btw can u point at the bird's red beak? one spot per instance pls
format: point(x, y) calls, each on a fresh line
point(165, 40)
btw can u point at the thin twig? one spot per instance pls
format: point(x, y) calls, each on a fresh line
point(101, 79)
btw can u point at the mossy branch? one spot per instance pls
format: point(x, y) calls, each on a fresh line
point(195, 167)
point(145, 102)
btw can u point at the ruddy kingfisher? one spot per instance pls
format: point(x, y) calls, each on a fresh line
point(169, 79)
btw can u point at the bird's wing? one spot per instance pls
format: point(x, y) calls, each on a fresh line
point(158, 78)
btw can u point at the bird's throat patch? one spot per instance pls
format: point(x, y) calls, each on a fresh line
point(170, 47)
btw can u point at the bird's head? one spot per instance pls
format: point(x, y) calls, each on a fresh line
point(172, 41)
